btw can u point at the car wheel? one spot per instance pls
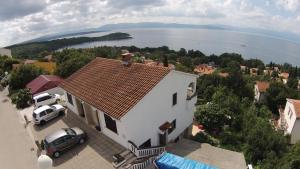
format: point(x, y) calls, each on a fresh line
point(81, 141)
point(42, 122)
point(56, 154)
point(61, 113)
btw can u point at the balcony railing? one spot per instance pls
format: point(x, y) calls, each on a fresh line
point(143, 164)
point(145, 152)
point(190, 96)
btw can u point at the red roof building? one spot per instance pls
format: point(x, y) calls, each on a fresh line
point(43, 83)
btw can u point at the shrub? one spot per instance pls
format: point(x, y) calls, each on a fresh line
point(22, 98)
point(205, 138)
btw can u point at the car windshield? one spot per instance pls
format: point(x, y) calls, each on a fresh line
point(70, 131)
point(53, 107)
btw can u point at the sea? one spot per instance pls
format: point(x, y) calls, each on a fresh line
point(208, 41)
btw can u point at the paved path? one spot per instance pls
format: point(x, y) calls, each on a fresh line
point(15, 143)
point(95, 154)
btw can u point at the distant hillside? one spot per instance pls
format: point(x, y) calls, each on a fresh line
point(33, 49)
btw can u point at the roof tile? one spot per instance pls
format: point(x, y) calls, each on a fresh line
point(111, 87)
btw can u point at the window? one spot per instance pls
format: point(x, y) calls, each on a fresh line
point(173, 126)
point(70, 100)
point(43, 98)
point(174, 99)
point(110, 123)
point(191, 89)
point(146, 144)
point(43, 113)
point(49, 111)
point(59, 141)
point(67, 138)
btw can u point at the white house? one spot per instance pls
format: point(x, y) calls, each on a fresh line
point(290, 119)
point(259, 91)
point(133, 102)
point(6, 52)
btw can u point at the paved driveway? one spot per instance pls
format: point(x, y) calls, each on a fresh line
point(16, 147)
point(96, 153)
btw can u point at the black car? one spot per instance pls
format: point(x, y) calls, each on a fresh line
point(62, 140)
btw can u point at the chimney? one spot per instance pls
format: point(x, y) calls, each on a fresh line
point(126, 59)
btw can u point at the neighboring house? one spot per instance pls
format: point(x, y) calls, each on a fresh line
point(284, 77)
point(6, 52)
point(49, 58)
point(45, 84)
point(268, 72)
point(133, 103)
point(289, 120)
point(253, 71)
point(259, 90)
point(223, 74)
point(204, 69)
point(151, 62)
point(243, 68)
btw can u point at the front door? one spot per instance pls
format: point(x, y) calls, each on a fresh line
point(98, 127)
point(82, 113)
point(163, 139)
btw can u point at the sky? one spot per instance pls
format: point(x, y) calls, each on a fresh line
point(22, 20)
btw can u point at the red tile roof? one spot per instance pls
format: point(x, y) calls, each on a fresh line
point(284, 75)
point(43, 83)
point(296, 104)
point(262, 86)
point(112, 87)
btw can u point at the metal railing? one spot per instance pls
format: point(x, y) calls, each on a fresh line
point(145, 152)
point(143, 164)
point(191, 96)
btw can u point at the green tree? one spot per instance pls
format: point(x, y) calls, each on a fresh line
point(276, 96)
point(292, 83)
point(261, 139)
point(23, 75)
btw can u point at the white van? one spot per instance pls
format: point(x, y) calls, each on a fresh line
point(45, 99)
point(45, 113)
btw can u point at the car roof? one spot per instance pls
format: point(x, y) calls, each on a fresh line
point(51, 137)
point(40, 95)
point(40, 109)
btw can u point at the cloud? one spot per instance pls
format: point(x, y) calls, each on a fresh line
point(10, 9)
point(27, 19)
point(290, 5)
point(123, 4)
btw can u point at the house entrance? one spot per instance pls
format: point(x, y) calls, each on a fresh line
point(82, 112)
point(163, 139)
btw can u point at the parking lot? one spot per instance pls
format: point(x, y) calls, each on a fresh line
point(96, 153)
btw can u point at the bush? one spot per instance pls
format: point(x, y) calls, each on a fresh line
point(23, 75)
point(21, 98)
point(205, 138)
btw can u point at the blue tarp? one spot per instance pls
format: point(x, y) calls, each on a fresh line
point(171, 161)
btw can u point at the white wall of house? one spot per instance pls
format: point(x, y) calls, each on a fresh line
point(295, 135)
point(142, 122)
point(290, 116)
point(256, 93)
point(56, 90)
point(6, 52)
point(119, 137)
point(72, 107)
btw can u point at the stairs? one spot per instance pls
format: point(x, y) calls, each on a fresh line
point(137, 158)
